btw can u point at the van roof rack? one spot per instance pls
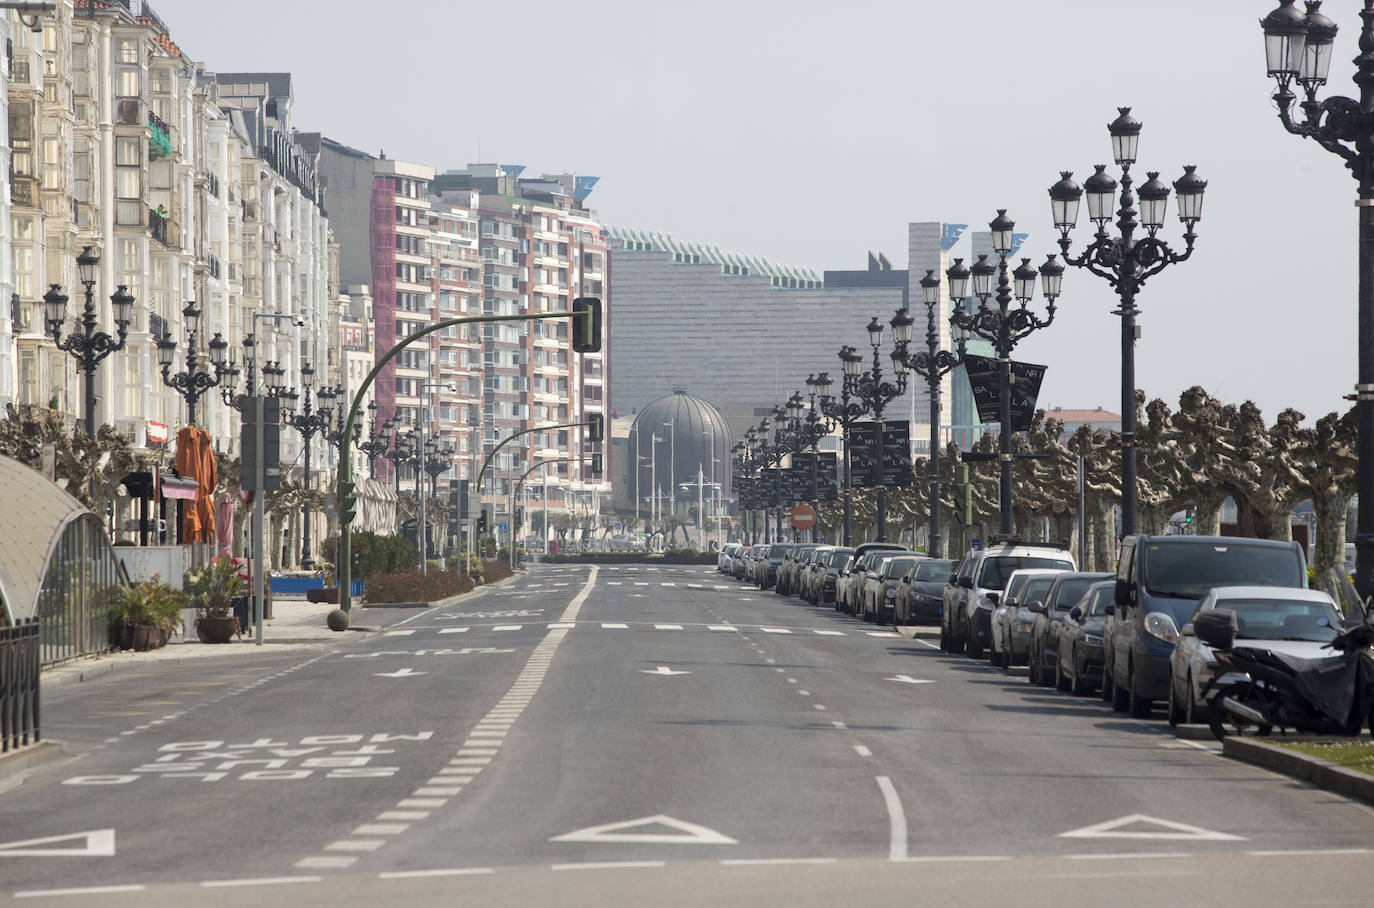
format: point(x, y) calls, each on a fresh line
point(1014, 540)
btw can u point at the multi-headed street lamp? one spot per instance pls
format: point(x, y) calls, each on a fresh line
point(194, 381)
point(1298, 48)
point(1126, 261)
point(844, 412)
point(873, 394)
point(90, 346)
point(309, 422)
point(1001, 325)
point(378, 438)
point(933, 364)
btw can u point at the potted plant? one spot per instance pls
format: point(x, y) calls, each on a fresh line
point(213, 589)
point(146, 614)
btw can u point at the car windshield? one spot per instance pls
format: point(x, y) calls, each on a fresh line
point(898, 567)
point(1189, 571)
point(1096, 606)
point(1068, 591)
point(998, 568)
point(837, 559)
point(1277, 619)
point(933, 570)
point(1035, 589)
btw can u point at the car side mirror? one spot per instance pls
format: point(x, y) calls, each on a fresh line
point(1075, 613)
point(1122, 592)
point(1187, 630)
point(1110, 609)
point(992, 598)
point(1038, 607)
point(953, 579)
point(906, 578)
point(966, 582)
point(1011, 603)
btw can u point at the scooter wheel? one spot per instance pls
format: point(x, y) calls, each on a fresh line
point(1223, 723)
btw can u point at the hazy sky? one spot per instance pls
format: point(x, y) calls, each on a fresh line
point(812, 132)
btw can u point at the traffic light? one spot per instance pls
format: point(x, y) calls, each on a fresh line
point(482, 522)
point(1188, 516)
point(964, 495)
point(586, 327)
point(596, 427)
point(347, 503)
point(596, 465)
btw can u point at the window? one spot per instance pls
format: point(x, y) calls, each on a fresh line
point(128, 184)
point(128, 50)
point(128, 83)
point(129, 151)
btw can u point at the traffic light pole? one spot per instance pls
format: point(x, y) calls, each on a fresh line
point(585, 318)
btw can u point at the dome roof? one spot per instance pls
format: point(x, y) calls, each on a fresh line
point(31, 523)
point(692, 435)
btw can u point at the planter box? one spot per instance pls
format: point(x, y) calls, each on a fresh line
point(329, 594)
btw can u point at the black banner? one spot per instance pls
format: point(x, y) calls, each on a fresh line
point(896, 462)
point(1025, 389)
point(826, 475)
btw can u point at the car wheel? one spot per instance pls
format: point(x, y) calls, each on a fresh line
point(1190, 712)
point(1060, 682)
point(1176, 716)
point(1079, 687)
point(1108, 688)
point(973, 647)
point(1137, 706)
point(1032, 670)
point(1121, 698)
point(944, 639)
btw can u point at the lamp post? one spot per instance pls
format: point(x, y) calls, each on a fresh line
point(1002, 326)
point(933, 364)
point(192, 382)
point(378, 438)
point(1126, 261)
point(842, 411)
point(90, 346)
point(1298, 48)
point(314, 418)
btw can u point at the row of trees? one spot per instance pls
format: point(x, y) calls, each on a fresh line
point(1195, 456)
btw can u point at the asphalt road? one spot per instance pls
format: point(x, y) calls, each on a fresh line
point(614, 735)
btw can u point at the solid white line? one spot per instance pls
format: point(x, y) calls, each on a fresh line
point(609, 865)
point(416, 874)
point(932, 859)
point(752, 862)
point(1129, 855)
point(263, 881)
point(896, 819)
point(927, 643)
point(93, 890)
point(1302, 853)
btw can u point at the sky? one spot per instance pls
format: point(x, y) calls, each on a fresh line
point(813, 132)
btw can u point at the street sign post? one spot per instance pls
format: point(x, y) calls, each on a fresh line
point(803, 517)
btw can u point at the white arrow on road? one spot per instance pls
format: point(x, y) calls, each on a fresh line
point(399, 673)
point(661, 670)
point(98, 843)
point(907, 679)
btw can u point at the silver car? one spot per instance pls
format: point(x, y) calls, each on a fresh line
point(1012, 620)
point(1288, 621)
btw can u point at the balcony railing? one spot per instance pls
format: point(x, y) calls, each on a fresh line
point(159, 223)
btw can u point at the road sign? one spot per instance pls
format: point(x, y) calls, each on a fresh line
point(501, 526)
point(803, 517)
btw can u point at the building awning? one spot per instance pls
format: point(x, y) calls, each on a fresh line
point(179, 488)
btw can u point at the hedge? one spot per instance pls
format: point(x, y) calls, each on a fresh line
point(412, 586)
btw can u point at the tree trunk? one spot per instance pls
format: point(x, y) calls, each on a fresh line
point(1328, 555)
point(1103, 531)
point(1207, 517)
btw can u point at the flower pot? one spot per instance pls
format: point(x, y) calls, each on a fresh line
point(213, 629)
point(144, 638)
point(329, 594)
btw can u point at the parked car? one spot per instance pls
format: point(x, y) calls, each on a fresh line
point(1289, 622)
point(791, 563)
point(739, 565)
point(1078, 665)
point(1013, 619)
point(1064, 593)
point(865, 556)
point(918, 594)
point(880, 606)
point(806, 571)
point(772, 564)
point(827, 573)
point(725, 559)
point(1159, 582)
point(966, 625)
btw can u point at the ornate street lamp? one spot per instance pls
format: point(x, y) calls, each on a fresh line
point(315, 416)
point(192, 382)
point(1298, 49)
point(932, 364)
point(90, 346)
point(1126, 260)
point(1003, 326)
point(378, 439)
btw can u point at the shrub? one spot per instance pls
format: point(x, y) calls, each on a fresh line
point(373, 554)
point(148, 603)
point(412, 586)
point(495, 570)
point(471, 563)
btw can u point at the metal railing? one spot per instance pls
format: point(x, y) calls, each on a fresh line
point(19, 668)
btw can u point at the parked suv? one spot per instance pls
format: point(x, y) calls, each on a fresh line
point(1159, 582)
point(966, 625)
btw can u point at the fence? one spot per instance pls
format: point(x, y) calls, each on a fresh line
point(18, 685)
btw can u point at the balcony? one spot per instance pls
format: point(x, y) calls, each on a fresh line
point(160, 225)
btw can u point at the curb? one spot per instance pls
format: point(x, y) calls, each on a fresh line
point(17, 763)
point(1321, 773)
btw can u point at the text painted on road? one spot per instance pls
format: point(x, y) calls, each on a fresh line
point(343, 757)
point(465, 651)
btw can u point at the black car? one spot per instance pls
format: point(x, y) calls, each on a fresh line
point(1078, 667)
point(827, 573)
point(918, 595)
point(1063, 595)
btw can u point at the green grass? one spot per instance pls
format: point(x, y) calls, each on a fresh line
point(1356, 756)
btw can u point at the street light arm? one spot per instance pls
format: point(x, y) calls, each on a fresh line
point(1344, 121)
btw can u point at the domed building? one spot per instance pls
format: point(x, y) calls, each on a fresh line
point(673, 440)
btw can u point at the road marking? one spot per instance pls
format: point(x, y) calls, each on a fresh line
point(404, 633)
point(1164, 829)
point(1128, 855)
point(667, 627)
point(508, 627)
point(862, 751)
point(973, 858)
point(403, 814)
point(98, 843)
point(614, 582)
point(818, 706)
point(667, 583)
point(420, 874)
point(422, 802)
point(927, 643)
point(355, 845)
point(840, 725)
point(562, 625)
point(907, 679)
point(454, 630)
point(446, 791)
point(831, 633)
point(1302, 853)
point(881, 634)
point(326, 862)
point(609, 865)
point(896, 819)
point(381, 829)
point(400, 673)
point(756, 862)
point(262, 881)
point(90, 890)
point(641, 583)
point(686, 834)
point(662, 670)
point(721, 627)
point(775, 630)
point(614, 627)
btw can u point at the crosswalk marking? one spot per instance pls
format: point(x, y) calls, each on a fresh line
point(617, 627)
point(454, 630)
